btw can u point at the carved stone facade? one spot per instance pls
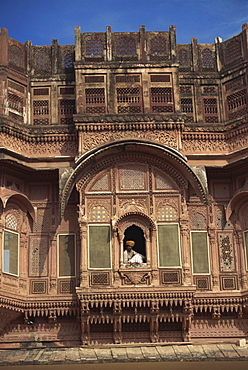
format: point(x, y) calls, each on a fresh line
point(123, 136)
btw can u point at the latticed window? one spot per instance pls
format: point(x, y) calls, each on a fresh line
point(41, 91)
point(158, 45)
point(66, 110)
point(183, 57)
point(162, 99)
point(42, 60)
point(210, 110)
point(95, 100)
point(67, 107)
point(94, 79)
point(95, 96)
point(40, 107)
point(232, 50)
point(128, 95)
point(98, 214)
point(101, 184)
point(128, 99)
point(16, 86)
point(67, 60)
point(125, 45)
point(15, 102)
point(207, 58)
point(161, 95)
point(132, 179)
point(11, 222)
point(187, 105)
point(94, 47)
point(198, 221)
point(167, 213)
point(16, 56)
point(237, 99)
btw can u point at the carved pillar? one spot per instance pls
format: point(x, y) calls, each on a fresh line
point(185, 250)
point(117, 257)
point(240, 253)
point(117, 325)
point(214, 260)
point(84, 257)
point(53, 265)
point(85, 323)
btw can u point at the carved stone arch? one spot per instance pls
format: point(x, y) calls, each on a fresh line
point(138, 219)
point(165, 158)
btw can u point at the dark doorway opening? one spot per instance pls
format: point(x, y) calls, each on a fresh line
point(136, 234)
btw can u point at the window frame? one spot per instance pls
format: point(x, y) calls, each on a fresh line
point(18, 252)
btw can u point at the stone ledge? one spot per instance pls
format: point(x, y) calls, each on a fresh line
point(129, 353)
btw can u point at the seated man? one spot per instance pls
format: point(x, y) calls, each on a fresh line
point(130, 257)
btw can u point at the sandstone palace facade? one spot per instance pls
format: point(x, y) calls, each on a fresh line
point(123, 136)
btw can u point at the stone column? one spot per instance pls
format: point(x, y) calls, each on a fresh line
point(214, 260)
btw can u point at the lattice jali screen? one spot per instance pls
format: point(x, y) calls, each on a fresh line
point(66, 110)
point(93, 47)
point(95, 100)
point(66, 286)
point(187, 108)
point(166, 213)
point(236, 104)
point(232, 50)
point(43, 221)
point(158, 48)
point(183, 57)
point(127, 79)
point(38, 286)
point(163, 183)
point(42, 60)
point(162, 99)
point(235, 84)
point(99, 278)
point(99, 214)
point(16, 56)
point(226, 252)
point(198, 222)
point(129, 99)
point(38, 256)
point(11, 221)
point(210, 110)
point(41, 110)
point(125, 46)
point(170, 277)
point(66, 58)
point(16, 86)
point(101, 184)
point(207, 59)
point(228, 283)
point(202, 282)
point(132, 179)
point(16, 106)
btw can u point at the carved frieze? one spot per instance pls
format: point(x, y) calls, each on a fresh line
point(94, 139)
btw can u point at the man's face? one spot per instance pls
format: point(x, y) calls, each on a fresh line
point(129, 248)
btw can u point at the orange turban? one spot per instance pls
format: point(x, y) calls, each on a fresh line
point(130, 242)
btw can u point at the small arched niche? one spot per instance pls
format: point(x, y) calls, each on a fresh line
point(136, 234)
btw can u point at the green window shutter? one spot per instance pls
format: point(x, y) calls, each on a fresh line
point(99, 247)
point(10, 252)
point(66, 255)
point(169, 249)
point(246, 248)
point(200, 258)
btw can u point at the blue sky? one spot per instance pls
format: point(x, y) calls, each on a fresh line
point(43, 20)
